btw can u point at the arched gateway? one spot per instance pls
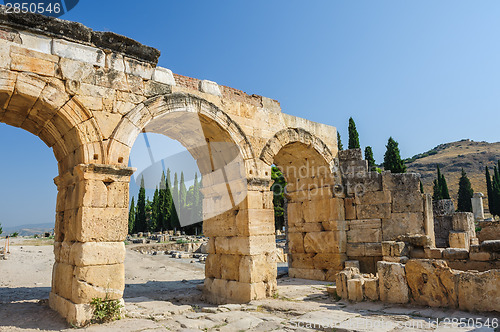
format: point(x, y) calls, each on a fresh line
point(89, 94)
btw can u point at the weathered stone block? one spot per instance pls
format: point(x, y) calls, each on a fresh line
point(353, 264)
point(97, 253)
point(310, 274)
point(295, 242)
point(324, 242)
point(257, 268)
point(432, 283)
point(479, 291)
point(229, 265)
point(409, 182)
point(455, 253)
point(335, 225)
point(379, 211)
point(350, 208)
point(405, 201)
point(213, 266)
point(371, 289)
point(459, 240)
point(98, 281)
point(373, 198)
point(210, 87)
point(373, 249)
point(327, 261)
point(355, 289)
point(402, 224)
point(302, 261)
point(362, 235)
point(78, 52)
point(392, 282)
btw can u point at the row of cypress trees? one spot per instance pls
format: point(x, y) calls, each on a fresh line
point(465, 191)
point(493, 189)
point(392, 156)
point(170, 203)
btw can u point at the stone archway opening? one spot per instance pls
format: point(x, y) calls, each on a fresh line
point(313, 206)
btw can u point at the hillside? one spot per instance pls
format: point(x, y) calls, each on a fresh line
point(29, 229)
point(452, 157)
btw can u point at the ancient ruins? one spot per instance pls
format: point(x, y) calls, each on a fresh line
point(89, 94)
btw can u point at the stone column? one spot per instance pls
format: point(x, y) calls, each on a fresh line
point(477, 206)
point(241, 264)
point(91, 225)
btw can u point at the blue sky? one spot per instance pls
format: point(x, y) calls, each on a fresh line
point(425, 72)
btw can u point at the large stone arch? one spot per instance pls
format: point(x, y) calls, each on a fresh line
point(315, 214)
point(43, 107)
point(137, 119)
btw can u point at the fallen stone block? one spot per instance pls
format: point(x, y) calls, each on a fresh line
point(392, 282)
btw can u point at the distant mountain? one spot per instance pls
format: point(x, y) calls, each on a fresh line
point(28, 229)
point(472, 156)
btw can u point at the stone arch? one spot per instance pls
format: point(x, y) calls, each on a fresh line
point(135, 121)
point(295, 135)
point(315, 213)
point(42, 107)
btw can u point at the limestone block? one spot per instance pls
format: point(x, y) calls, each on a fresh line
point(76, 314)
point(213, 266)
point(379, 211)
point(78, 52)
point(480, 256)
point(362, 235)
point(209, 87)
point(310, 274)
point(402, 224)
point(479, 291)
point(373, 198)
point(257, 268)
point(62, 252)
point(392, 259)
point(392, 282)
point(404, 201)
point(459, 240)
point(323, 209)
point(355, 289)
point(324, 242)
point(373, 249)
point(302, 261)
point(230, 266)
point(36, 42)
point(355, 249)
point(341, 281)
point(32, 63)
point(364, 182)
point(432, 283)
point(464, 221)
point(366, 223)
point(455, 253)
point(138, 68)
point(295, 243)
point(97, 253)
point(490, 245)
point(371, 290)
point(399, 249)
point(417, 253)
point(408, 182)
point(98, 281)
point(350, 208)
point(387, 247)
point(434, 253)
point(62, 276)
point(306, 227)
point(327, 261)
point(245, 245)
point(5, 56)
point(163, 75)
point(115, 61)
point(101, 224)
point(335, 225)
point(255, 222)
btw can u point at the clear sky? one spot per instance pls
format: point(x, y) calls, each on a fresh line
point(425, 72)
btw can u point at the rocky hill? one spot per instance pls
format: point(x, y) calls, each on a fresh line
point(451, 158)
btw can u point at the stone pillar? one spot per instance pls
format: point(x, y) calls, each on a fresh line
point(91, 225)
point(477, 206)
point(241, 264)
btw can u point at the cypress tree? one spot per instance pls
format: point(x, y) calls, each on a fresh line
point(495, 193)
point(421, 187)
point(489, 188)
point(392, 158)
point(278, 189)
point(444, 187)
point(197, 199)
point(155, 212)
point(353, 135)
point(131, 217)
point(140, 219)
point(339, 142)
point(175, 205)
point(182, 196)
point(166, 203)
point(465, 193)
point(369, 157)
point(436, 195)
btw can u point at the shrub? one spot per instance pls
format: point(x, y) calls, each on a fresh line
point(105, 310)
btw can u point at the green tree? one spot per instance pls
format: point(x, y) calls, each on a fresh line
point(149, 215)
point(176, 205)
point(440, 187)
point(353, 135)
point(465, 193)
point(392, 158)
point(489, 188)
point(182, 197)
point(339, 142)
point(166, 202)
point(131, 217)
point(140, 218)
point(278, 189)
point(1, 230)
point(369, 157)
point(495, 193)
point(421, 187)
point(155, 212)
point(197, 199)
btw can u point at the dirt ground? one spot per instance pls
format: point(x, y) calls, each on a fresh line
point(161, 294)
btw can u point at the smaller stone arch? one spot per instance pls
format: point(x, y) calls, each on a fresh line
point(296, 135)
